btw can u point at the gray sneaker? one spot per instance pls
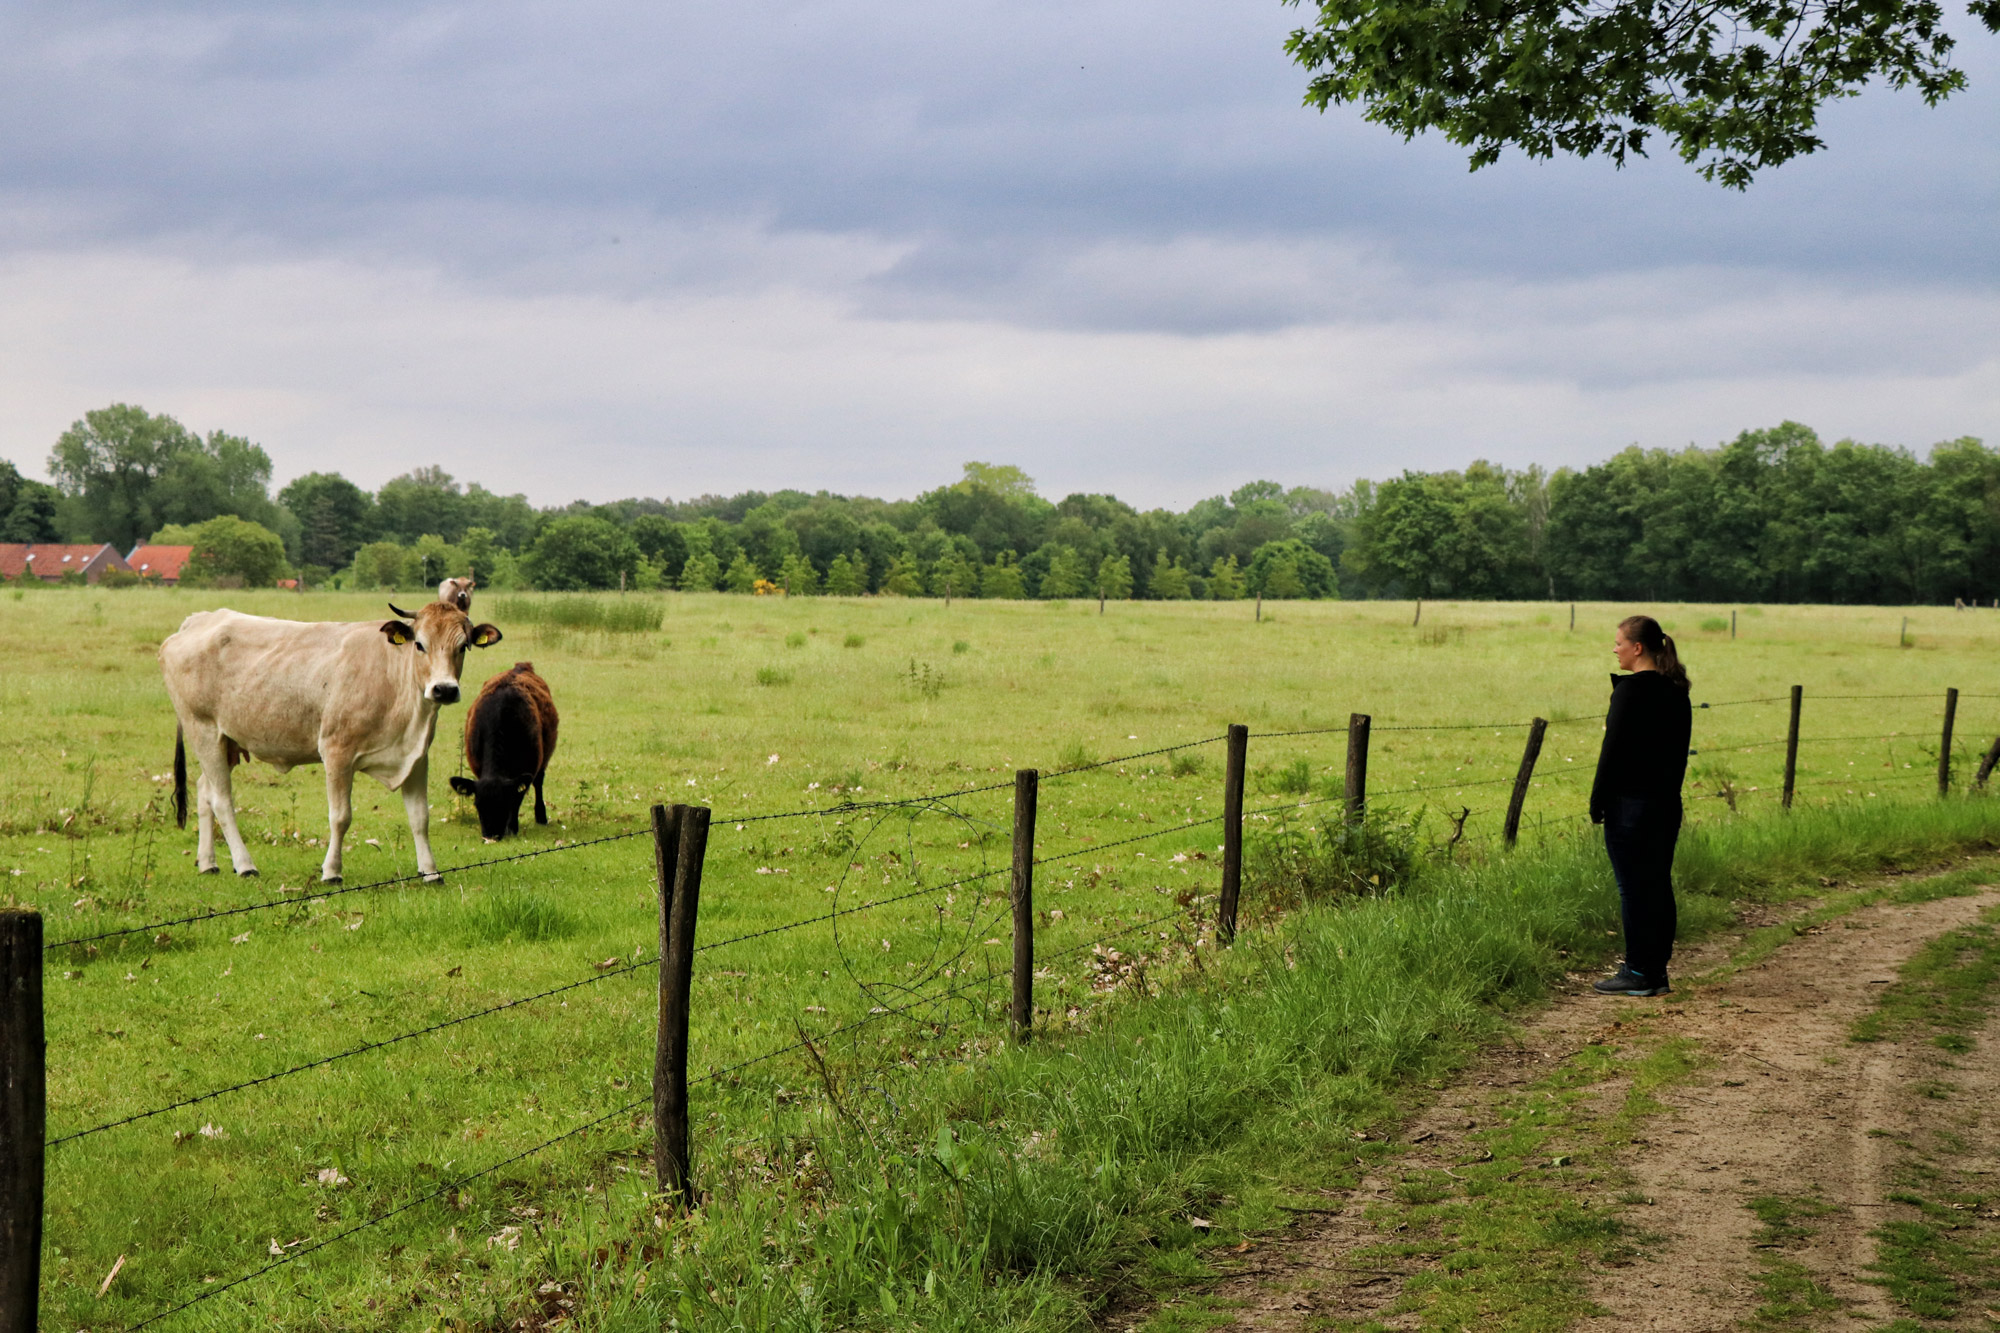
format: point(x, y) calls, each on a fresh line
point(1627, 982)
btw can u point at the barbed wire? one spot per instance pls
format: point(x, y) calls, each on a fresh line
point(1129, 758)
point(362, 1049)
point(325, 891)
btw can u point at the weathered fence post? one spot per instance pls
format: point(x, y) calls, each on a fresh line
point(1986, 764)
point(1944, 744)
point(1792, 746)
point(1732, 624)
point(1528, 757)
point(1259, 614)
point(1572, 615)
point(1026, 784)
point(1236, 749)
point(689, 842)
point(1418, 618)
point(23, 1109)
point(1357, 767)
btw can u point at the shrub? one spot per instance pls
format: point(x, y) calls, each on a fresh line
point(852, 641)
point(773, 676)
point(1298, 866)
point(231, 547)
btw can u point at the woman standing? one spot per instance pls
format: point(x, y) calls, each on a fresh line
point(1637, 797)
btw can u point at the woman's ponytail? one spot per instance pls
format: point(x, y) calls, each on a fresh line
point(1659, 645)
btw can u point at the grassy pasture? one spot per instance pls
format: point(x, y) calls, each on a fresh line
point(755, 706)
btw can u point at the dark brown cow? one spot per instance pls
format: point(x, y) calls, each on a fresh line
point(509, 736)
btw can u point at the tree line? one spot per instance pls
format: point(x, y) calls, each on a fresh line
point(1773, 515)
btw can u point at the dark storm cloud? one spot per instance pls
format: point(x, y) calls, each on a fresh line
point(1002, 147)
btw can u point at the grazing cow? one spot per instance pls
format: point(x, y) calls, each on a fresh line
point(510, 735)
point(356, 697)
point(458, 593)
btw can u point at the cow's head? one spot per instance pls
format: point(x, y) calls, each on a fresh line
point(457, 592)
point(498, 801)
point(440, 634)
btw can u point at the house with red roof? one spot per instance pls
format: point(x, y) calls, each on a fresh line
point(49, 562)
point(162, 563)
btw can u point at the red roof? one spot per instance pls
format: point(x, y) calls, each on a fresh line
point(159, 562)
point(51, 562)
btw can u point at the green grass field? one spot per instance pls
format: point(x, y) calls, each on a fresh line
point(760, 706)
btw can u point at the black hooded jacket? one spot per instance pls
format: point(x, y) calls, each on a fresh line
point(1646, 735)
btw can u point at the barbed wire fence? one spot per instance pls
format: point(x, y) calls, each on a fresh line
point(680, 835)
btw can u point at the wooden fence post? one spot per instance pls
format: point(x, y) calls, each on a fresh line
point(1026, 783)
point(1944, 745)
point(1572, 615)
point(1236, 750)
point(1792, 746)
point(1357, 767)
point(671, 1160)
point(1732, 624)
point(1986, 764)
point(1418, 618)
point(23, 1112)
point(1521, 779)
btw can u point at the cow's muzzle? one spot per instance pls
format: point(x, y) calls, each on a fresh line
point(445, 692)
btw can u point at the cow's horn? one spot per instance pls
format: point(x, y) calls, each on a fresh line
point(397, 610)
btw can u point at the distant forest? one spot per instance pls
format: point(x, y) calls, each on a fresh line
point(1772, 516)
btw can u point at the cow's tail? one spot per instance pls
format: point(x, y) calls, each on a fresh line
point(180, 779)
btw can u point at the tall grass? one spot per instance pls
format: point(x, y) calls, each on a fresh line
point(633, 615)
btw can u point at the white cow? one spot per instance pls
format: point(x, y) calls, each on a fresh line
point(356, 697)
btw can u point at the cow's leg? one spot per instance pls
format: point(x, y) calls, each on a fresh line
point(204, 842)
point(417, 805)
point(541, 811)
point(339, 813)
point(221, 805)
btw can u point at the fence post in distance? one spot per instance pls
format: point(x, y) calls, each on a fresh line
point(1572, 616)
point(1986, 764)
point(23, 1119)
point(1732, 624)
point(1357, 767)
point(1418, 618)
point(1236, 750)
point(1944, 744)
point(1529, 755)
point(1792, 746)
point(1027, 783)
point(671, 1158)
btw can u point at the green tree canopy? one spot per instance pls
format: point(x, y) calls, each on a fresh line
point(27, 507)
point(230, 548)
point(335, 517)
point(1735, 86)
point(577, 553)
point(124, 472)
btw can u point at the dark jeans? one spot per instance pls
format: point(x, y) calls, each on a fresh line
point(1639, 835)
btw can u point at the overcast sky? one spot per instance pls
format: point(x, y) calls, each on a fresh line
point(601, 249)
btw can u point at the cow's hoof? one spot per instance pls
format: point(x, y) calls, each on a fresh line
point(251, 873)
point(212, 870)
point(329, 879)
point(434, 878)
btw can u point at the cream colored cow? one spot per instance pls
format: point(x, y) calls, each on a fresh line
point(357, 697)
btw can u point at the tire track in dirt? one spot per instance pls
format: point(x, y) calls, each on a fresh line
point(1784, 1105)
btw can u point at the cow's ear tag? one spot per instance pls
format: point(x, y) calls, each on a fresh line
point(485, 636)
point(464, 786)
point(399, 633)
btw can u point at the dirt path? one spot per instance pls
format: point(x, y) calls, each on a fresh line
point(1781, 1106)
